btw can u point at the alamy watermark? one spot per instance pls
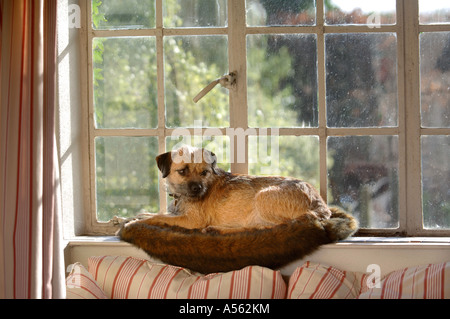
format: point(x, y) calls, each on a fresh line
point(74, 13)
point(373, 280)
point(266, 151)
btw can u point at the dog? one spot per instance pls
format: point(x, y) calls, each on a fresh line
point(208, 198)
point(219, 221)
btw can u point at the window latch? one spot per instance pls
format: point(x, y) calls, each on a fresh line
point(227, 81)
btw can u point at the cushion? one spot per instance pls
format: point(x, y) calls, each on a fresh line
point(430, 281)
point(213, 251)
point(317, 281)
point(81, 285)
point(127, 277)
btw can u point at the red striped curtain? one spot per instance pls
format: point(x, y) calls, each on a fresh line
point(31, 253)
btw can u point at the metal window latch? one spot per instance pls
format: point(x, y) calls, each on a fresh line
point(227, 81)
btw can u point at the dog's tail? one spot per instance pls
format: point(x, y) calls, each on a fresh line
point(213, 252)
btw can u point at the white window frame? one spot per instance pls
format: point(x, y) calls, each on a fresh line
point(409, 130)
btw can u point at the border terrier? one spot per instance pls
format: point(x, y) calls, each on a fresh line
point(208, 198)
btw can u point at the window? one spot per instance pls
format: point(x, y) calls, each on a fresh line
point(353, 98)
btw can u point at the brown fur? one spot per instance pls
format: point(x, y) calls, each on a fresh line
point(222, 221)
point(214, 252)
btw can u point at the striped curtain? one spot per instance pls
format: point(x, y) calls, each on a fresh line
point(31, 252)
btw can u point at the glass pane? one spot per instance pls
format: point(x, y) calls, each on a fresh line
point(195, 13)
point(363, 178)
point(435, 79)
point(361, 79)
point(434, 11)
point(125, 90)
point(120, 14)
point(436, 181)
point(280, 12)
point(279, 155)
point(218, 144)
point(372, 13)
point(127, 176)
point(190, 64)
point(282, 80)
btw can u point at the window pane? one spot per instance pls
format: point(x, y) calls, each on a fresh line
point(361, 79)
point(282, 80)
point(435, 181)
point(195, 13)
point(119, 14)
point(279, 155)
point(190, 64)
point(435, 79)
point(125, 90)
point(363, 178)
point(372, 13)
point(279, 12)
point(127, 176)
point(434, 11)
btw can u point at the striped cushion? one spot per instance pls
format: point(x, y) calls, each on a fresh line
point(422, 282)
point(128, 277)
point(81, 285)
point(316, 281)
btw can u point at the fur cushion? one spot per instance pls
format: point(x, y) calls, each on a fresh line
point(214, 252)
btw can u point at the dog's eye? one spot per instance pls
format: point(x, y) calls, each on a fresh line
point(181, 171)
point(204, 173)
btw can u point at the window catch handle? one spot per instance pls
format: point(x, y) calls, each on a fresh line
point(227, 81)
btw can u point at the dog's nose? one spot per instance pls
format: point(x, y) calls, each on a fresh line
point(195, 187)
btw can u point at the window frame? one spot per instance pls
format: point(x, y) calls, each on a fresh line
point(408, 129)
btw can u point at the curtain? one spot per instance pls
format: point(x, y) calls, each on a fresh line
point(31, 252)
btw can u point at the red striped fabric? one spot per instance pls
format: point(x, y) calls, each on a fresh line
point(80, 284)
point(316, 281)
point(127, 277)
point(430, 281)
point(29, 204)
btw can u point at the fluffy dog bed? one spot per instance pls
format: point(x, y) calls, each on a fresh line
point(214, 252)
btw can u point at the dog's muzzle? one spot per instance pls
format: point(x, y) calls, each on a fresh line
point(196, 189)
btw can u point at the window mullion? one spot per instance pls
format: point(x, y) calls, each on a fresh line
point(412, 101)
point(161, 131)
point(321, 74)
point(237, 52)
point(402, 155)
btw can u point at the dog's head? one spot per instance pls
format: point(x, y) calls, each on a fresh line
point(189, 171)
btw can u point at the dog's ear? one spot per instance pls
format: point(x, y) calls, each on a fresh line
point(164, 162)
point(211, 158)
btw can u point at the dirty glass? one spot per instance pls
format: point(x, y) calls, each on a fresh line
point(120, 14)
point(363, 178)
point(368, 12)
point(190, 64)
point(280, 12)
point(436, 181)
point(435, 79)
point(361, 80)
point(282, 80)
point(124, 78)
point(126, 176)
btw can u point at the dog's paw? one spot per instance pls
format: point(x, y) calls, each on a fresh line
point(125, 222)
